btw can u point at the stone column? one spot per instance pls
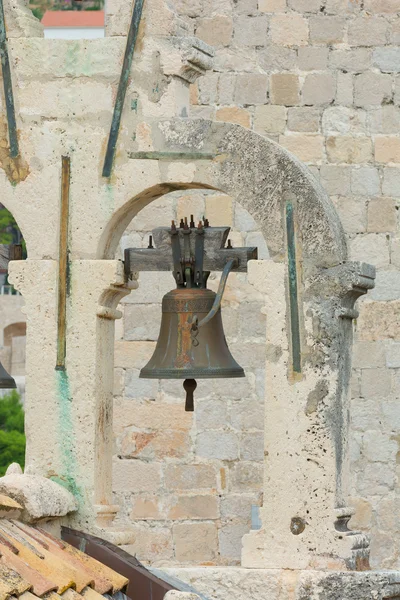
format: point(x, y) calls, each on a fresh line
point(69, 412)
point(305, 513)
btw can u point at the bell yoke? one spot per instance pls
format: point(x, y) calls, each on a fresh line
point(191, 344)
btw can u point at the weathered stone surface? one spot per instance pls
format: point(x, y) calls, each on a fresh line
point(40, 498)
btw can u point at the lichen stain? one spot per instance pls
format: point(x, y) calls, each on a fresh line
point(316, 396)
point(65, 426)
point(16, 169)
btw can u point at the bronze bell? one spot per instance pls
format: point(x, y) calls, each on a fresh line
point(6, 381)
point(186, 351)
point(191, 344)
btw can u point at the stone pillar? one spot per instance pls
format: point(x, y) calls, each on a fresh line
point(70, 438)
point(305, 512)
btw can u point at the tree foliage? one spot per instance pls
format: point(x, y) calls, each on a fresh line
point(12, 437)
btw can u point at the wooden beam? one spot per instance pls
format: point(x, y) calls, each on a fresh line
point(8, 90)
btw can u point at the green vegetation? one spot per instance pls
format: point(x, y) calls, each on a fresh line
point(9, 230)
point(12, 437)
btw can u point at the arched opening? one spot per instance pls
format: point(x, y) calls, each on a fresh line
point(12, 346)
point(189, 485)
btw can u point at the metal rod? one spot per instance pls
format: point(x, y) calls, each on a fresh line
point(7, 83)
point(218, 298)
point(122, 87)
point(293, 291)
point(63, 264)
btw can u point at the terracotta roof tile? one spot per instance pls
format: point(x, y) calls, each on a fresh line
point(34, 564)
point(73, 18)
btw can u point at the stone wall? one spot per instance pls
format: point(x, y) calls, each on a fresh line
point(321, 78)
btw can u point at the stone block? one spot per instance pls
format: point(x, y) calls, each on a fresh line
point(233, 114)
point(195, 542)
point(150, 415)
point(251, 88)
point(146, 507)
point(305, 119)
point(344, 89)
point(387, 286)
point(387, 59)
point(375, 479)
point(285, 89)
point(343, 120)
point(221, 445)
point(372, 89)
point(391, 182)
point(158, 213)
point(136, 476)
point(248, 355)
point(190, 477)
point(387, 149)
point(252, 446)
point(246, 476)
point(385, 119)
point(394, 35)
point(372, 248)
point(226, 88)
point(393, 355)
point(327, 30)
point(243, 219)
point(270, 119)
point(230, 540)
point(272, 6)
point(154, 445)
point(211, 414)
point(194, 507)
point(341, 7)
point(252, 322)
point(336, 180)
point(354, 60)
point(382, 215)
point(382, 6)
point(308, 148)
point(192, 203)
point(250, 31)
point(216, 30)
point(289, 30)
point(248, 7)
point(151, 543)
point(306, 6)
point(142, 322)
point(367, 30)
point(135, 387)
point(319, 88)
point(313, 58)
point(219, 210)
point(365, 413)
point(368, 355)
point(277, 58)
point(395, 251)
point(347, 149)
point(365, 181)
point(352, 212)
point(376, 383)
point(208, 88)
point(362, 520)
point(390, 410)
point(379, 321)
point(238, 506)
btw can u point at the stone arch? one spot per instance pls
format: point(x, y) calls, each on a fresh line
point(306, 404)
point(254, 170)
point(13, 330)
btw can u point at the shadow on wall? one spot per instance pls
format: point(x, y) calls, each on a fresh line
point(187, 482)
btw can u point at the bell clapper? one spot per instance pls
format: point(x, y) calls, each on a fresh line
point(189, 386)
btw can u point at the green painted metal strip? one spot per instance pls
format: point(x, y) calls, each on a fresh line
point(293, 290)
point(152, 155)
point(122, 87)
point(7, 83)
